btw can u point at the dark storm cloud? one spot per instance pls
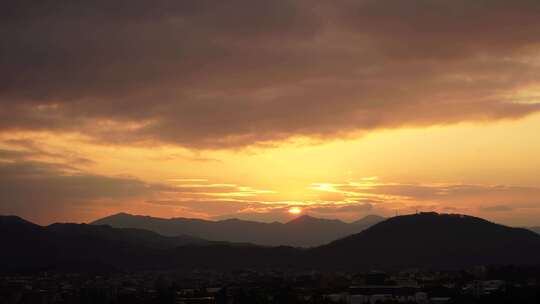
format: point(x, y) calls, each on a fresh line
point(445, 29)
point(216, 74)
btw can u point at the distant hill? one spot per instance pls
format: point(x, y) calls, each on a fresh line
point(29, 247)
point(432, 240)
point(132, 236)
point(426, 240)
point(304, 231)
point(82, 247)
point(535, 229)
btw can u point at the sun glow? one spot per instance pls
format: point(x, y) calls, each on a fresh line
point(295, 210)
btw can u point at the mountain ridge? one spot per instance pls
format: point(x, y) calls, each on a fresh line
point(535, 229)
point(425, 240)
point(303, 231)
point(428, 239)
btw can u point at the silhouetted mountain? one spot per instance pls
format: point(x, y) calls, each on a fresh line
point(17, 222)
point(81, 247)
point(426, 240)
point(304, 231)
point(535, 229)
point(432, 240)
point(131, 236)
point(368, 220)
point(72, 247)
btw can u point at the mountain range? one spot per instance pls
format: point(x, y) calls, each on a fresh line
point(425, 240)
point(304, 231)
point(73, 246)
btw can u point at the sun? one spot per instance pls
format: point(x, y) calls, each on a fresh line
point(295, 210)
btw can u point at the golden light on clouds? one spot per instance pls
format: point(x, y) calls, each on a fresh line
point(341, 179)
point(353, 112)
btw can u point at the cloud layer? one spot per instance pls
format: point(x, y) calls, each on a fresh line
point(202, 74)
point(47, 192)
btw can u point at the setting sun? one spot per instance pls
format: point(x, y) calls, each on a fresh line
point(295, 210)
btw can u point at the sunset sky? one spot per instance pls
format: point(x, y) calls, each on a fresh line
point(245, 109)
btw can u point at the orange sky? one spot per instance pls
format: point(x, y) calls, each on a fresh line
point(342, 109)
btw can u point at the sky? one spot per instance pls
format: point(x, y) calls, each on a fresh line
point(247, 108)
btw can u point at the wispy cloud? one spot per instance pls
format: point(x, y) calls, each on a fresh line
point(45, 191)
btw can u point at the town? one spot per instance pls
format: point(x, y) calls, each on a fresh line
point(476, 285)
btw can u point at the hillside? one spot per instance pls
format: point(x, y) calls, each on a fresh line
point(432, 240)
point(535, 229)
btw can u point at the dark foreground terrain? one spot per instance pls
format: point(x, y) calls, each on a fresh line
point(425, 240)
point(421, 258)
point(475, 285)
